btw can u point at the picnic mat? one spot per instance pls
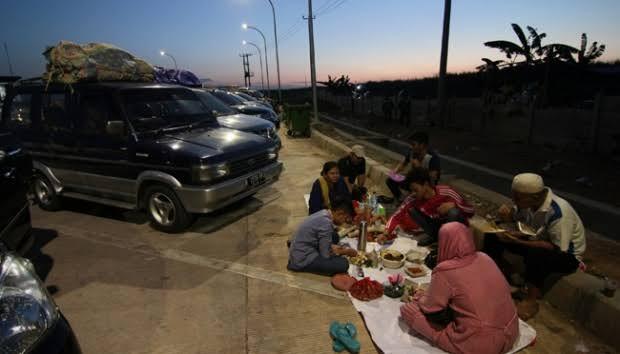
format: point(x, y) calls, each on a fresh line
point(382, 316)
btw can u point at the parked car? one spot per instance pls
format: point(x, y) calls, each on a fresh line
point(229, 118)
point(244, 107)
point(253, 100)
point(30, 321)
point(15, 174)
point(137, 146)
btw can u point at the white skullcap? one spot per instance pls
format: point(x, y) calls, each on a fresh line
point(358, 150)
point(528, 183)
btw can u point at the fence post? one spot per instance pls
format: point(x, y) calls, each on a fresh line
point(596, 123)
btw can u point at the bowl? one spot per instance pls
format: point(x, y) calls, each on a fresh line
point(392, 259)
point(416, 256)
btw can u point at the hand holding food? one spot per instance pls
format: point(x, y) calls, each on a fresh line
point(505, 213)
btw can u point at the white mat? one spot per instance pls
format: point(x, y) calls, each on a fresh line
point(382, 316)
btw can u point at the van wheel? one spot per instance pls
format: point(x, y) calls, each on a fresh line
point(44, 193)
point(165, 210)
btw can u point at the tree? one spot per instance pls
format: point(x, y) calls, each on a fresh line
point(342, 85)
point(530, 47)
point(594, 52)
point(490, 65)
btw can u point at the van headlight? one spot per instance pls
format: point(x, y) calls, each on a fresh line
point(211, 172)
point(26, 308)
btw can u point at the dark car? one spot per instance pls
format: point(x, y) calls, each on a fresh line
point(242, 106)
point(136, 146)
point(229, 118)
point(30, 321)
point(15, 174)
point(253, 100)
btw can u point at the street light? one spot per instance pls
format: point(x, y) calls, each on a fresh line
point(245, 26)
point(275, 34)
point(260, 59)
point(162, 53)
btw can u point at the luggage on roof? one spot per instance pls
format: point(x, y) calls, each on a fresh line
point(69, 63)
point(178, 77)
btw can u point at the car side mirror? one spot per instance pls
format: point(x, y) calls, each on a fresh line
point(115, 128)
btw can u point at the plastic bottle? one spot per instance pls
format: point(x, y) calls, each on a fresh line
point(373, 202)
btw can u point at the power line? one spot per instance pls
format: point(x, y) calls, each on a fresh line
point(336, 4)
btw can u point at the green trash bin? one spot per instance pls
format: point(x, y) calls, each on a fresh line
point(297, 119)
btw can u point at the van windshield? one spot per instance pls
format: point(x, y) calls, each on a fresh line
point(152, 109)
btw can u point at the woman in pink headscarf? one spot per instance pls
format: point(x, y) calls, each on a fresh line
point(471, 296)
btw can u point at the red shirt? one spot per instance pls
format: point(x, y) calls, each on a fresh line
point(443, 194)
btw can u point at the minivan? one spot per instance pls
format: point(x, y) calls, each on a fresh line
point(141, 146)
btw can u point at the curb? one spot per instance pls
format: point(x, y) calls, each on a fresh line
point(577, 295)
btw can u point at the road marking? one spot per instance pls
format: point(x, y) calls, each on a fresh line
point(285, 279)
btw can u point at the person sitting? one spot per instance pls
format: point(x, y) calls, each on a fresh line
point(314, 247)
point(418, 156)
point(557, 246)
point(434, 205)
point(353, 168)
point(327, 187)
point(468, 307)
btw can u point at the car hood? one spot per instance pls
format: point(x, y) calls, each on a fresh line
point(216, 144)
point(244, 122)
point(251, 108)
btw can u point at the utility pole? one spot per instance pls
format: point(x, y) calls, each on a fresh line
point(275, 35)
point(8, 58)
point(441, 94)
point(246, 69)
point(310, 18)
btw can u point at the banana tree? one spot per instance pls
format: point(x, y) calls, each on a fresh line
point(530, 47)
point(490, 65)
point(595, 51)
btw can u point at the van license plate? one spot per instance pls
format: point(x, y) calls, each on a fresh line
point(256, 180)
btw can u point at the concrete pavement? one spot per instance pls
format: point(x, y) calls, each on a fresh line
point(222, 287)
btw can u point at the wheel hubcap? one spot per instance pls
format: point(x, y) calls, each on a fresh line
point(42, 191)
point(162, 209)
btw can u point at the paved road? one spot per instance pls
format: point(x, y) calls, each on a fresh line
point(222, 287)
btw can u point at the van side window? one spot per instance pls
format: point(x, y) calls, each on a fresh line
point(20, 111)
point(94, 113)
point(53, 112)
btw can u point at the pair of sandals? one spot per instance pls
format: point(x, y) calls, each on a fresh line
point(344, 337)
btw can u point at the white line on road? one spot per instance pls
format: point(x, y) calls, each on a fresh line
point(245, 270)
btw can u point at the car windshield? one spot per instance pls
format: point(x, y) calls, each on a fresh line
point(229, 99)
point(160, 109)
point(214, 104)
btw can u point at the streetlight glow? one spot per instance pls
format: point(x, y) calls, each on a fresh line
point(162, 53)
point(244, 26)
point(244, 42)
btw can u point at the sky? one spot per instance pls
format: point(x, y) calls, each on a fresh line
point(365, 39)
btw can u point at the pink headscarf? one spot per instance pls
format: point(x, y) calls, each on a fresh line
point(456, 247)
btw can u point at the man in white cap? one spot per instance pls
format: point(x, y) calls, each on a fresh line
point(551, 237)
point(353, 168)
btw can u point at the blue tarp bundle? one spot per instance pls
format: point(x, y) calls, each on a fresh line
point(178, 77)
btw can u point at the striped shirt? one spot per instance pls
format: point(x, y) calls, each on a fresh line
point(443, 194)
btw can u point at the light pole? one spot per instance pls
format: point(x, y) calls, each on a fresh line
point(310, 18)
point(260, 59)
point(443, 63)
point(245, 26)
point(275, 34)
point(162, 53)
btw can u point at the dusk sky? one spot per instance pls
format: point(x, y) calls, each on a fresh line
point(366, 39)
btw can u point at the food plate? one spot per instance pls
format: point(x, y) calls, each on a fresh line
point(392, 259)
point(415, 271)
point(416, 256)
point(343, 282)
